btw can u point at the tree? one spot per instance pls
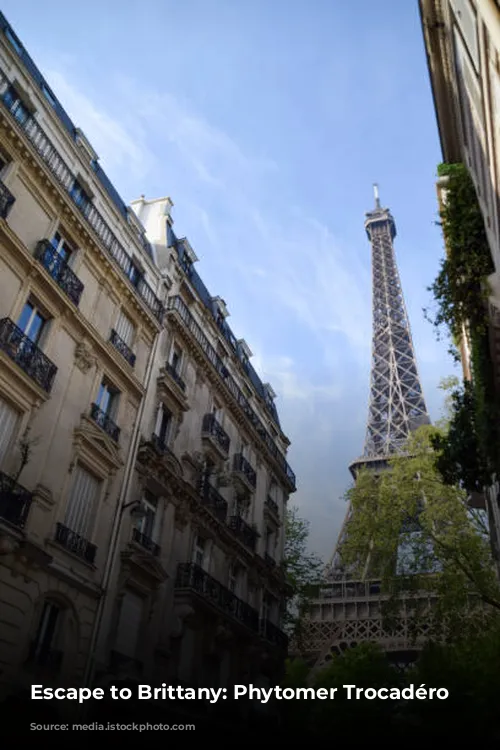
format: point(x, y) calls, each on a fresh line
point(302, 570)
point(419, 534)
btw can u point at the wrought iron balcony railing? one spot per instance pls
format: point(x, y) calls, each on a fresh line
point(214, 501)
point(105, 422)
point(146, 542)
point(272, 505)
point(120, 346)
point(15, 501)
point(75, 543)
point(191, 576)
point(58, 268)
point(244, 532)
point(176, 304)
point(241, 465)
point(26, 355)
point(7, 200)
point(273, 634)
point(210, 426)
point(175, 376)
point(46, 150)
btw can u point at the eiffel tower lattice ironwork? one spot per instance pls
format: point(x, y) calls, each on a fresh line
point(348, 610)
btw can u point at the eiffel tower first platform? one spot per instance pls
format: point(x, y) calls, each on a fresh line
point(346, 611)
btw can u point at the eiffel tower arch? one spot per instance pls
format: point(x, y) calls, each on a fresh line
point(347, 612)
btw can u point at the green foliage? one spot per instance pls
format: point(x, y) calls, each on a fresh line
point(443, 547)
point(302, 570)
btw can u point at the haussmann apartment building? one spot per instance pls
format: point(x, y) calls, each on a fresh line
point(143, 471)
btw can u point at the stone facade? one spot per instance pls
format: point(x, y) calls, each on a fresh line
point(143, 478)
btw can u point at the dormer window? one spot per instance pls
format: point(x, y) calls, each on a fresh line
point(187, 255)
point(49, 95)
point(14, 41)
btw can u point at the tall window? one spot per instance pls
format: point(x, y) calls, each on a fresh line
point(79, 196)
point(129, 624)
point(61, 247)
point(9, 418)
point(107, 398)
point(200, 552)
point(47, 633)
point(15, 104)
point(270, 541)
point(82, 503)
point(125, 329)
point(234, 579)
point(32, 321)
point(163, 427)
point(176, 358)
point(265, 610)
point(148, 524)
point(135, 273)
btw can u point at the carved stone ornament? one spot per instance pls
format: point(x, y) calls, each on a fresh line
point(83, 357)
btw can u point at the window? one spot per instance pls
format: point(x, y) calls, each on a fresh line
point(48, 630)
point(269, 542)
point(32, 322)
point(147, 525)
point(14, 41)
point(49, 95)
point(135, 273)
point(14, 103)
point(129, 624)
point(107, 399)
point(163, 426)
point(85, 492)
point(125, 329)
point(199, 552)
point(217, 412)
point(245, 450)
point(234, 579)
point(79, 196)
point(265, 607)
point(241, 506)
point(176, 358)
point(61, 246)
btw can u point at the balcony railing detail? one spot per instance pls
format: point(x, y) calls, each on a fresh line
point(66, 179)
point(176, 304)
point(240, 464)
point(191, 576)
point(15, 501)
point(6, 201)
point(272, 505)
point(26, 355)
point(214, 501)
point(175, 376)
point(210, 426)
point(120, 346)
point(58, 268)
point(244, 532)
point(160, 445)
point(273, 634)
point(146, 542)
point(75, 543)
point(269, 560)
point(105, 422)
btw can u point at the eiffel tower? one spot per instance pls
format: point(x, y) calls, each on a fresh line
point(349, 611)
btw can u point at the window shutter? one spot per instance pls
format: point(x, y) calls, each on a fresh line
point(82, 502)
point(8, 422)
point(125, 329)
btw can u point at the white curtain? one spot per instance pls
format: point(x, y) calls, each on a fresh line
point(82, 502)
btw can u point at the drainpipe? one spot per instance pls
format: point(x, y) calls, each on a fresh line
point(115, 534)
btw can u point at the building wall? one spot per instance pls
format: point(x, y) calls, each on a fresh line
point(56, 552)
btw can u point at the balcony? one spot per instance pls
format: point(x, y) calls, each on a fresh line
point(75, 543)
point(245, 533)
point(273, 634)
point(6, 201)
point(244, 472)
point(212, 432)
point(59, 270)
point(15, 501)
point(47, 152)
point(105, 422)
point(269, 560)
point(121, 347)
point(176, 306)
point(21, 350)
point(194, 578)
point(214, 501)
point(170, 370)
point(144, 541)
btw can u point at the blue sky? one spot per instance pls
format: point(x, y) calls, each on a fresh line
point(267, 122)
